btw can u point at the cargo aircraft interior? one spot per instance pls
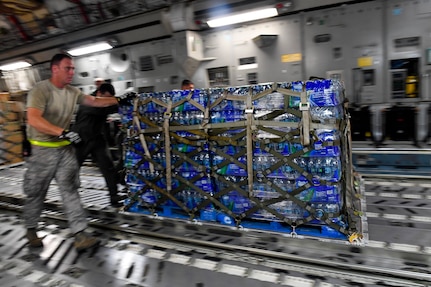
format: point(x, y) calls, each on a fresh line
point(300, 157)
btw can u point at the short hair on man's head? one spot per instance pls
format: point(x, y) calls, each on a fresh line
point(106, 87)
point(57, 58)
point(186, 83)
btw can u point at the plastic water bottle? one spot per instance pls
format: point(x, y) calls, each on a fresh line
point(259, 190)
point(302, 163)
point(326, 113)
point(332, 208)
point(319, 164)
point(132, 159)
point(224, 219)
point(325, 101)
point(332, 169)
point(229, 112)
point(205, 184)
point(276, 101)
point(289, 172)
point(149, 196)
point(311, 166)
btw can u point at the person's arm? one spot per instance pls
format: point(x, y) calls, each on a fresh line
point(96, 111)
point(35, 119)
point(99, 101)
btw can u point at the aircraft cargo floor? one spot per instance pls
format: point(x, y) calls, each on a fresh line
point(143, 250)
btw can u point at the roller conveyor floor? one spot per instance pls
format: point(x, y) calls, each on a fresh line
point(393, 158)
point(143, 250)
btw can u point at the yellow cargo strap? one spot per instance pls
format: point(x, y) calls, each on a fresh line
point(50, 144)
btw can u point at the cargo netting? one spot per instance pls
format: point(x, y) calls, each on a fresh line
point(273, 156)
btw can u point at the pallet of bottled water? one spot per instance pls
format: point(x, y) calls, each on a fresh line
point(271, 156)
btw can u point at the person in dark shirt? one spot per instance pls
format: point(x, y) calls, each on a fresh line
point(89, 124)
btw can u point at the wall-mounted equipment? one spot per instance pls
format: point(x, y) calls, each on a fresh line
point(264, 40)
point(15, 66)
point(428, 56)
point(90, 48)
point(284, 7)
point(400, 123)
point(146, 63)
point(247, 63)
point(404, 78)
point(252, 79)
point(398, 83)
point(407, 42)
point(189, 51)
point(119, 60)
point(242, 17)
point(364, 86)
point(322, 38)
point(369, 77)
point(218, 77)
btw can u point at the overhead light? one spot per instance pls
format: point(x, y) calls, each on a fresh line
point(15, 66)
point(243, 17)
point(92, 48)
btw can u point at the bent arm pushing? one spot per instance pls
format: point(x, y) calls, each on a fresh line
point(99, 101)
point(36, 120)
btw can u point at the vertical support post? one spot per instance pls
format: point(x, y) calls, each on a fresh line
point(347, 163)
point(167, 116)
point(141, 136)
point(249, 117)
point(305, 124)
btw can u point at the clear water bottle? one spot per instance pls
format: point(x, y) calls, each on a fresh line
point(332, 169)
point(311, 166)
point(284, 184)
point(149, 196)
point(289, 172)
point(295, 146)
point(302, 163)
point(327, 170)
point(259, 190)
point(205, 184)
point(332, 208)
point(276, 101)
point(326, 113)
point(131, 159)
point(320, 166)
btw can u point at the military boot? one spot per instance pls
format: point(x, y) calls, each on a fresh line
point(116, 200)
point(33, 239)
point(84, 241)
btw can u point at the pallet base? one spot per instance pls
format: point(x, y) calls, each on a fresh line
point(213, 216)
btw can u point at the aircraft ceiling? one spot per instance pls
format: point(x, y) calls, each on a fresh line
point(24, 24)
point(24, 21)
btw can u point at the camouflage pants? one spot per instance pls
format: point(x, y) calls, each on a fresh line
point(44, 165)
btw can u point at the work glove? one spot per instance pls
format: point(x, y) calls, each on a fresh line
point(127, 99)
point(71, 136)
point(26, 148)
point(26, 145)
